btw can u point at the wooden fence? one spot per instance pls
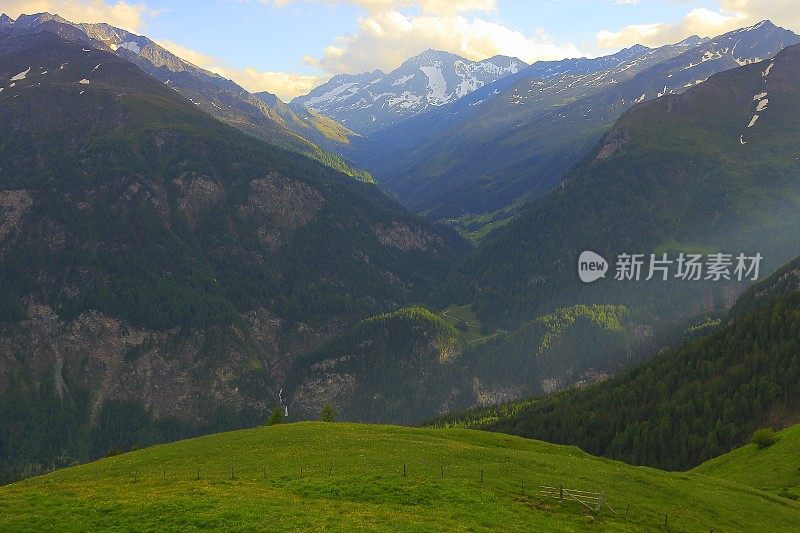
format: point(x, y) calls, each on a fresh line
point(594, 501)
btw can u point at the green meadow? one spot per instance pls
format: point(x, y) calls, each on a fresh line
point(331, 476)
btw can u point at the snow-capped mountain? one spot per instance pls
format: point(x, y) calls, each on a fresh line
point(373, 100)
point(512, 140)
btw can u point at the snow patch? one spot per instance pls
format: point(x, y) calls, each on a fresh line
point(753, 121)
point(759, 96)
point(96, 67)
point(741, 139)
point(762, 105)
point(403, 80)
point(84, 82)
point(769, 68)
point(21, 75)
point(132, 46)
point(437, 86)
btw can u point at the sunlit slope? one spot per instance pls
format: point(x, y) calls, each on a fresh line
point(343, 476)
point(774, 469)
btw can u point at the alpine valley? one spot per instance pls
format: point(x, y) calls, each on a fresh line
point(181, 257)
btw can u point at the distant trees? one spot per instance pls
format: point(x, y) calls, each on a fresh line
point(276, 417)
point(328, 414)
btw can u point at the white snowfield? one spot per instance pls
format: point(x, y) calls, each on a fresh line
point(132, 46)
point(753, 121)
point(21, 75)
point(437, 86)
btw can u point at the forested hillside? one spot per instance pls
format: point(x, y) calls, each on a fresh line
point(690, 403)
point(693, 173)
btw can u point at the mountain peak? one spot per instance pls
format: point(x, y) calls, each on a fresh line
point(25, 21)
point(5, 21)
point(431, 55)
point(693, 40)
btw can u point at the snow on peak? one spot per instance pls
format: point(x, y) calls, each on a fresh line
point(132, 46)
point(21, 75)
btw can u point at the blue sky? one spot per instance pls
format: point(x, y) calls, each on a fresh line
point(288, 46)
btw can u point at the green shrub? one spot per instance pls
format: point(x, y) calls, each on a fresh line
point(763, 438)
point(328, 414)
point(276, 417)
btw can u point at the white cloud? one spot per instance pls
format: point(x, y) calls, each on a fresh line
point(283, 84)
point(385, 38)
point(123, 14)
point(729, 15)
point(434, 7)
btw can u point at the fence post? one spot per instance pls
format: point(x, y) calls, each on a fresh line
point(404, 470)
point(481, 475)
point(441, 467)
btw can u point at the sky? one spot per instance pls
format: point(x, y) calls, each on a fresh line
point(288, 47)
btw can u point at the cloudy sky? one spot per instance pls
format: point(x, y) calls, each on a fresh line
point(289, 46)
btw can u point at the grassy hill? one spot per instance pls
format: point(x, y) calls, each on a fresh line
point(342, 476)
point(756, 467)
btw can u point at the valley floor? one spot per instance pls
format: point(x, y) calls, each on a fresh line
point(315, 476)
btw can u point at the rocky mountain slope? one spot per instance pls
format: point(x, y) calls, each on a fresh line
point(159, 270)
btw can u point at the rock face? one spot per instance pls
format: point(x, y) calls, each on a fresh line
point(13, 206)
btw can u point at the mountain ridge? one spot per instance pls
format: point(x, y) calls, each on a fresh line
point(428, 80)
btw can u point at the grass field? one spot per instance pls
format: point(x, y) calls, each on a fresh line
point(774, 469)
point(345, 476)
point(464, 315)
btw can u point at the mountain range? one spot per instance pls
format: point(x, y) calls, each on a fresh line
point(368, 102)
point(474, 162)
point(180, 256)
